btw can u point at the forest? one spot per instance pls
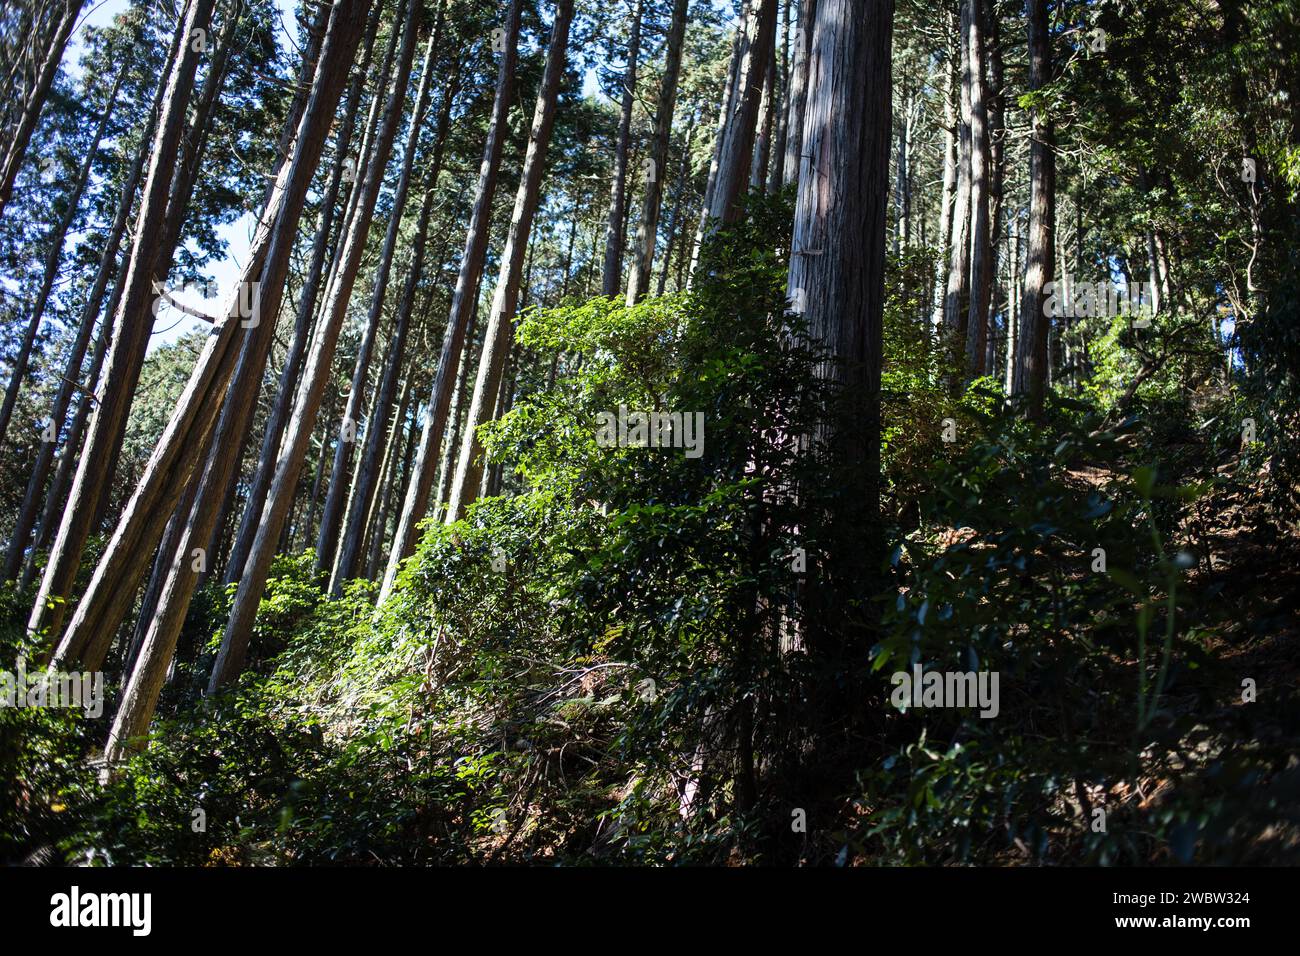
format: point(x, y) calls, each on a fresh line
point(786, 433)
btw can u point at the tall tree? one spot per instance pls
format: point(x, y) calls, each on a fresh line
point(647, 232)
point(1030, 378)
point(54, 253)
point(948, 192)
point(336, 497)
point(798, 96)
point(498, 334)
point(65, 13)
point(957, 296)
point(981, 252)
point(740, 41)
point(342, 33)
point(738, 132)
point(130, 336)
point(837, 274)
point(616, 221)
point(307, 298)
point(381, 408)
point(464, 302)
point(316, 372)
point(765, 126)
point(213, 411)
point(63, 476)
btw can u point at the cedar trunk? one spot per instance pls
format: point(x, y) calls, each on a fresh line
point(497, 337)
point(1035, 324)
point(464, 303)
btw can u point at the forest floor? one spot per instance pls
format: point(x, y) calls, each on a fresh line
point(1243, 604)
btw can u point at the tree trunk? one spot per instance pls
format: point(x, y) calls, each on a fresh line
point(464, 302)
point(1035, 325)
point(763, 127)
point(377, 427)
point(63, 475)
point(837, 271)
point(63, 397)
point(739, 42)
point(53, 255)
point(335, 499)
point(647, 233)
point(776, 172)
point(17, 146)
point(130, 339)
point(738, 133)
point(956, 299)
point(55, 500)
point(947, 195)
point(273, 246)
point(798, 96)
point(1013, 325)
point(997, 109)
point(497, 336)
point(504, 402)
point(279, 414)
point(234, 647)
point(377, 511)
point(365, 148)
point(902, 175)
point(447, 462)
point(212, 415)
point(615, 223)
point(309, 525)
point(675, 222)
point(162, 563)
point(995, 89)
point(981, 266)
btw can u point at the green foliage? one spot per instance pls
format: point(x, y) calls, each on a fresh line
point(613, 662)
point(1103, 668)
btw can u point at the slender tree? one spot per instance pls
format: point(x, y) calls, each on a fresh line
point(738, 132)
point(957, 296)
point(66, 12)
point(129, 339)
point(948, 192)
point(463, 309)
point(307, 298)
point(798, 95)
point(316, 372)
point(497, 335)
point(1030, 377)
point(335, 499)
point(54, 253)
point(377, 426)
point(981, 250)
point(740, 42)
point(616, 221)
point(27, 513)
point(346, 19)
point(657, 162)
